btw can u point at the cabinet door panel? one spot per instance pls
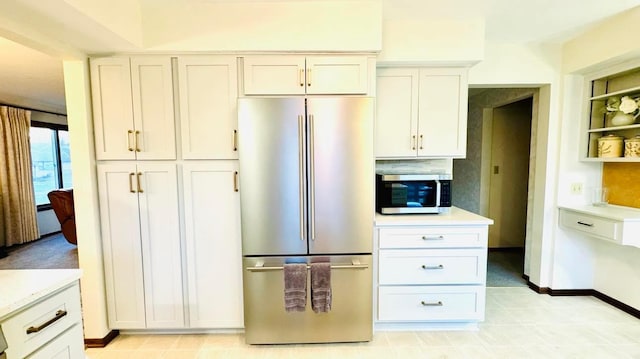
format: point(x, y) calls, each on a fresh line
point(397, 113)
point(152, 90)
point(442, 123)
point(121, 245)
point(336, 75)
point(112, 108)
point(212, 227)
point(274, 75)
point(208, 106)
point(160, 235)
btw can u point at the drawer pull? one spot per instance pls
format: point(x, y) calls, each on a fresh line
point(438, 238)
point(59, 315)
point(431, 304)
point(439, 266)
point(585, 224)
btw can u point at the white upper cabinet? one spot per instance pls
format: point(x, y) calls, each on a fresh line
point(133, 108)
point(208, 106)
point(421, 112)
point(299, 75)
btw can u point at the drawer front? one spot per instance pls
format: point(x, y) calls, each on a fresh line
point(428, 303)
point(433, 237)
point(44, 321)
point(453, 266)
point(69, 345)
point(596, 226)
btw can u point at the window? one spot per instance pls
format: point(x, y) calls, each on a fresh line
point(50, 160)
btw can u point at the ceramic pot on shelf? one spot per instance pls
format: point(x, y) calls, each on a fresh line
point(622, 119)
point(632, 147)
point(610, 146)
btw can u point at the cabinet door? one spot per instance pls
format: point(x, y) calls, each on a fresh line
point(112, 108)
point(152, 88)
point(336, 75)
point(274, 75)
point(157, 189)
point(208, 106)
point(121, 245)
point(397, 113)
point(442, 122)
point(213, 242)
point(69, 345)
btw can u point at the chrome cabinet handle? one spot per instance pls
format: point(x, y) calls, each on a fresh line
point(413, 142)
point(129, 132)
point(131, 182)
point(235, 140)
point(438, 238)
point(301, 77)
point(301, 170)
point(59, 315)
point(421, 142)
point(431, 304)
point(137, 137)
point(585, 224)
point(138, 181)
point(439, 266)
point(235, 181)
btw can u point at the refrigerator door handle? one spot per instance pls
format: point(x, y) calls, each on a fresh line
point(301, 175)
point(312, 187)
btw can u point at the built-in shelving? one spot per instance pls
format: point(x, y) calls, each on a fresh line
point(600, 89)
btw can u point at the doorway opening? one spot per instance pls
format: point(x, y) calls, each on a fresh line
point(495, 180)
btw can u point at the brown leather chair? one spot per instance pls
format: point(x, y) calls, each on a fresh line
point(62, 204)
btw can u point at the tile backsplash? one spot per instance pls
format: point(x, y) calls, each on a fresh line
point(623, 181)
point(439, 165)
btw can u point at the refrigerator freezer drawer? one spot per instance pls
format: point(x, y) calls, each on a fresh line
point(267, 322)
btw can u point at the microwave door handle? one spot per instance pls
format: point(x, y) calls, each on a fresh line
point(438, 194)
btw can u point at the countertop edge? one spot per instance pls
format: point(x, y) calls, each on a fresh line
point(456, 216)
point(63, 278)
point(619, 213)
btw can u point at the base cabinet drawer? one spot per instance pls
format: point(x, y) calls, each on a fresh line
point(432, 266)
point(431, 303)
point(433, 237)
point(69, 345)
point(33, 327)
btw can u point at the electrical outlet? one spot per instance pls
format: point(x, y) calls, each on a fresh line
point(576, 188)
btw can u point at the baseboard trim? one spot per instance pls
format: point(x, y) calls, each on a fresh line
point(101, 342)
point(584, 292)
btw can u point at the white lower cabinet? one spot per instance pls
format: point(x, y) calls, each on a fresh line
point(213, 244)
point(141, 242)
point(431, 273)
point(47, 328)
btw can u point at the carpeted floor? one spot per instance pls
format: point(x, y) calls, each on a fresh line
point(505, 268)
point(52, 252)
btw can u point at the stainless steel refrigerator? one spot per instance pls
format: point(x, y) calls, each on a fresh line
point(307, 195)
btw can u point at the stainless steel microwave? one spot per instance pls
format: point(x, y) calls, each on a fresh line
point(413, 193)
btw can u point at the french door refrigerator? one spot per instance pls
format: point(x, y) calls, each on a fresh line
point(307, 195)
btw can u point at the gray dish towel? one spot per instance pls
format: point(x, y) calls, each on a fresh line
point(295, 287)
point(321, 287)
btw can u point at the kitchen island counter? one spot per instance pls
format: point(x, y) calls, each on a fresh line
point(457, 216)
point(24, 286)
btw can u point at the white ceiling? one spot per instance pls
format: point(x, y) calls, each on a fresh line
point(29, 78)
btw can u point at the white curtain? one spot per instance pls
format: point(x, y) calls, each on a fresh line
point(17, 201)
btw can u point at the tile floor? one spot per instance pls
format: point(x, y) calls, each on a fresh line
point(519, 324)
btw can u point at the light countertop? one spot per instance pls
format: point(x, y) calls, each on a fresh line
point(21, 287)
point(609, 211)
point(457, 216)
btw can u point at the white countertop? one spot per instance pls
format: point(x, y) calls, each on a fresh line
point(457, 216)
point(23, 286)
point(610, 211)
